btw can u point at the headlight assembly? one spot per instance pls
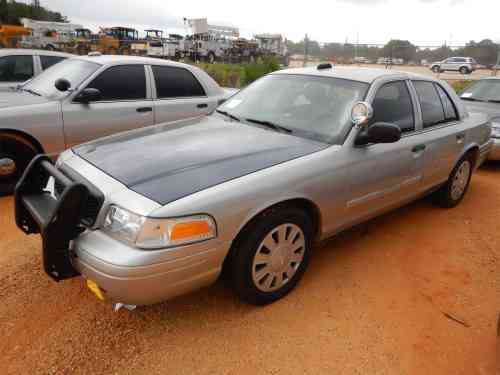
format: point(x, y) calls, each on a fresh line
point(152, 233)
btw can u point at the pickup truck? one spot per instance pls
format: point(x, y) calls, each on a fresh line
point(85, 98)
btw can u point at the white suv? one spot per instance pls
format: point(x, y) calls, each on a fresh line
point(464, 65)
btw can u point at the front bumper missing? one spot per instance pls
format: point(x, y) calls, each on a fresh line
point(58, 220)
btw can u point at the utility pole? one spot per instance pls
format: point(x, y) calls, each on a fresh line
point(306, 50)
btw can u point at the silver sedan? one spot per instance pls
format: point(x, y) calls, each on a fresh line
point(292, 159)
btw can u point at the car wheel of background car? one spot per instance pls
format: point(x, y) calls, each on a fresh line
point(271, 255)
point(454, 190)
point(464, 70)
point(436, 69)
point(15, 155)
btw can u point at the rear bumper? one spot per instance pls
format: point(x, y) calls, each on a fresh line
point(139, 277)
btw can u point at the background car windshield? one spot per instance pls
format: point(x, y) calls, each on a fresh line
point(488, 89)
point(74, 70)
point(313, 107)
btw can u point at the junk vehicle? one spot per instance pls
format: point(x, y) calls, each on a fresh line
point(158, 46)
point(12, 35)
point(48, 35)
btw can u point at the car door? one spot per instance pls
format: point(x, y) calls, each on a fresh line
point(15, 69)
point(125, 104)
point(449, 64)
point(179, 94)
point(382, 176)
point(441, 135)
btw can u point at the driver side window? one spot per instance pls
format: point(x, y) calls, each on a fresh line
point(393, 104)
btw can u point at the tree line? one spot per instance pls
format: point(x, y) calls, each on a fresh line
point(485, 52)
point(12, 11)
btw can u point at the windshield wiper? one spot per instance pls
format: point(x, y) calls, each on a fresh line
point(270, 124)
point(231, 116)
point(471, 99)
point(31, 91)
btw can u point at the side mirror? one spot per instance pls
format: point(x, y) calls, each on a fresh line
point(380, 132)
point(88, 95)
point(361, 112)
point(62, 84)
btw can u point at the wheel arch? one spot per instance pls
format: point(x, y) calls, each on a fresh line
point(25, 137)
point(305, 204)
point(472, 149)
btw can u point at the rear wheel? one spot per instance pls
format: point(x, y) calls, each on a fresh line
point(271, 255)
point(452, 193)
point(436, 69)
point(15, 155)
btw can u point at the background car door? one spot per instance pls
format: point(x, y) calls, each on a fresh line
point(385, 175)
point(179, 95)
point(125, 104)
point(449, 64)
point(441, 133)
point(15, 69)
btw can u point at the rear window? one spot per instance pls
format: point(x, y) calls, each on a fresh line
point(430, 103)
point(48, 61)
point(173, 82)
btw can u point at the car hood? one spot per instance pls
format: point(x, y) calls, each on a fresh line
point(16, 98)
point(168, 162)
point(492, 110)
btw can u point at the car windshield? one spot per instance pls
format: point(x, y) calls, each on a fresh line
point(74, 70)
point(487, 90)
point(318, 108)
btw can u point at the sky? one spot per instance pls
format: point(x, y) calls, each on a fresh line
point(423, 22)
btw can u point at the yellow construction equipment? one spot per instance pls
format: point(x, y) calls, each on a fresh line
point(11, 35)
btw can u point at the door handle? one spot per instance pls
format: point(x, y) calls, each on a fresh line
point(144, 109)
point(202, 105)
point(418, 148)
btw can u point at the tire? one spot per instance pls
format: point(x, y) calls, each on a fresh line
point(452, 193)
point(464, 70)
point(17, 150)
point(436, 69)
point(262, 274)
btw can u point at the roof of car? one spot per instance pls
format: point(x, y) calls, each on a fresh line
point(367, 75)
point(28, 51)
point(120, 59)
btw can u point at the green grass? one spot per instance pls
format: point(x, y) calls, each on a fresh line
point(240, 75)
point(460, 86)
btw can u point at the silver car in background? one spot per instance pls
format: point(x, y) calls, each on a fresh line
point(20, 65)
point(85, 98)
point(483, 96)
point(292, 159)
point(463, 65)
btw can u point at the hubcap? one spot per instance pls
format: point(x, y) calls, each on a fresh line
point(460, 180)
point(278, 257)
point(7, 167)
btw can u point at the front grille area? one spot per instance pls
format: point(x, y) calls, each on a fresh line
point(95, 199)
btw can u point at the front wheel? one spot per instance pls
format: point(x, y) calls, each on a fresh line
point(464, 70)
point(272, 255)
point(436, 69)
point(452, 193)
